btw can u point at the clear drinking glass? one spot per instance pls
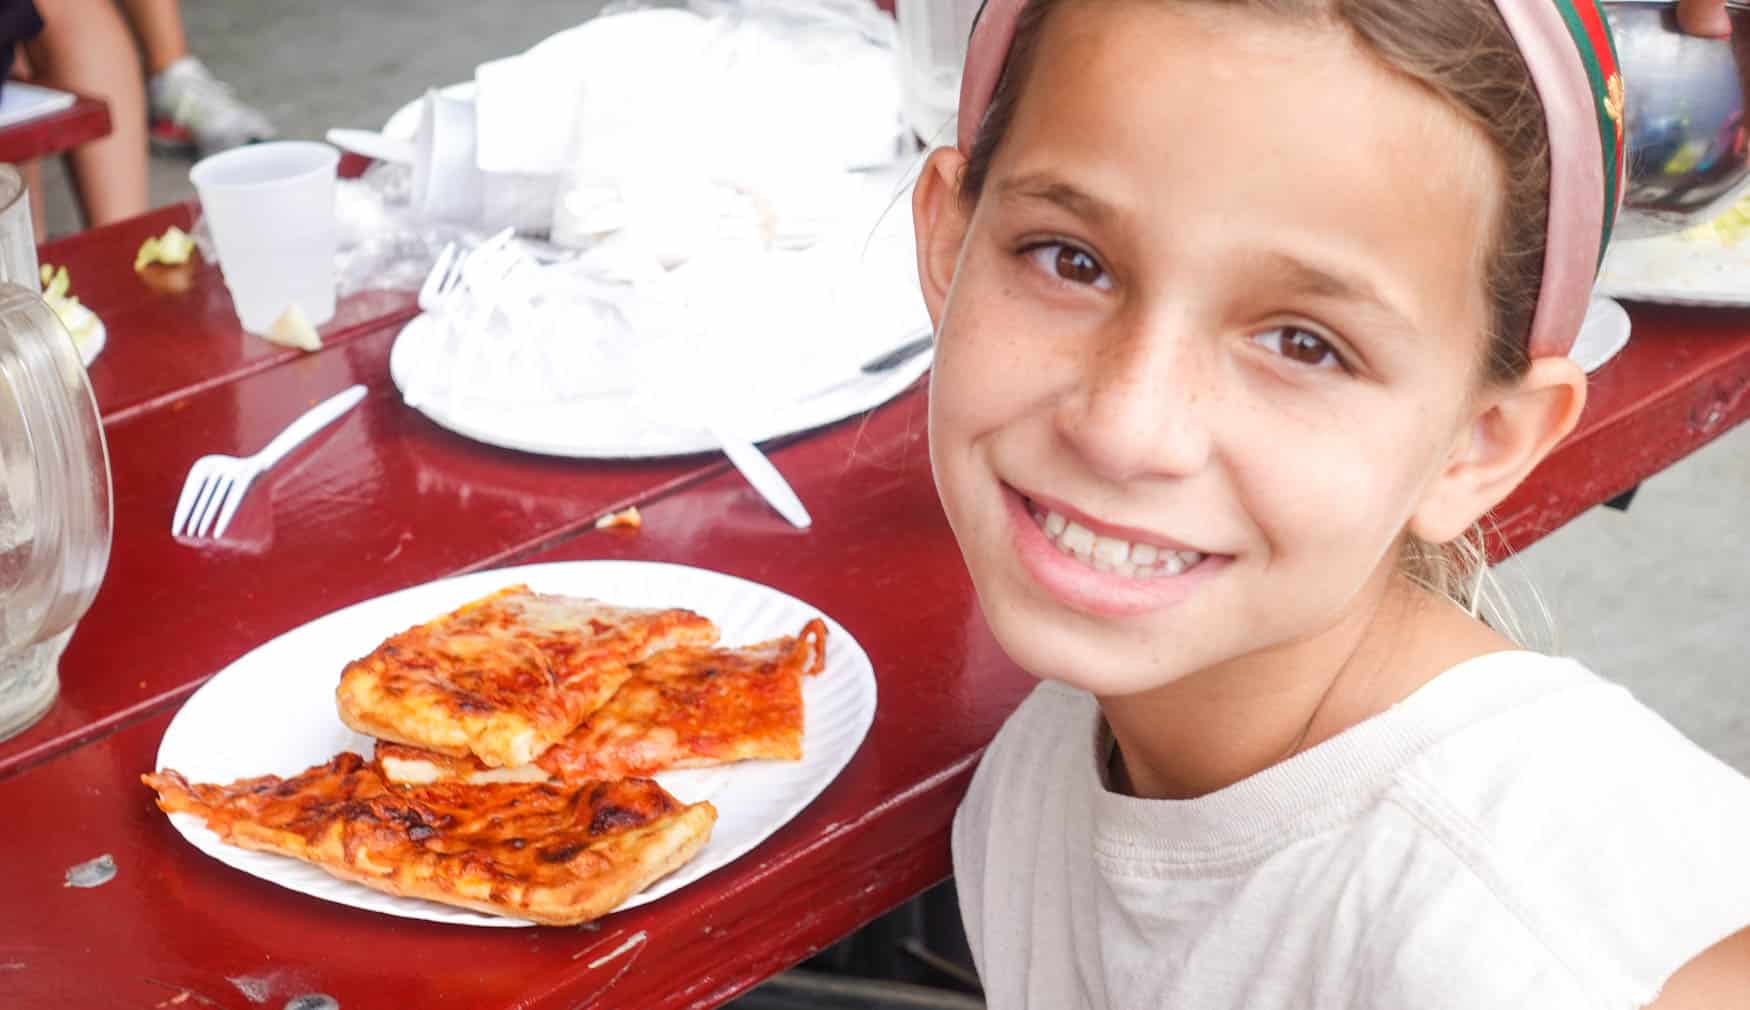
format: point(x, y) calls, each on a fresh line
point(932, 51)
point(54, 502)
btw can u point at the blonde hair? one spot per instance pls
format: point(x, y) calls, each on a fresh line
point(1462, 51)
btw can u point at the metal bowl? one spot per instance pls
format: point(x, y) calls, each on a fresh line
point(1688, 149)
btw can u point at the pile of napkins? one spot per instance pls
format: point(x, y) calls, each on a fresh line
point(736, 102)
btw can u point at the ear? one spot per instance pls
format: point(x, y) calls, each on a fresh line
point(1512, 431)
point(940, 224)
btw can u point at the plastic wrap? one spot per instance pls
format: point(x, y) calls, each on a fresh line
point(383, 243)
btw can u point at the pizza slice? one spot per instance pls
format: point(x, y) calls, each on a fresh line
point(506, 676)
point(686, 707)
point(557, 855)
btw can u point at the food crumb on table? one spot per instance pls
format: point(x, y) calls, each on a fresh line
point(624, 519)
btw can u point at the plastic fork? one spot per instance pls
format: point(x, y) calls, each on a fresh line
point(445, 277)
point(450, 270)
point(459, 296)
point(216, 483)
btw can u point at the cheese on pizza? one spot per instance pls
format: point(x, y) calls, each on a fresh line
point(557, 855)
point(685, 707)
point(506, 676)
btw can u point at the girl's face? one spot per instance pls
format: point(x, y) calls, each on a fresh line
point(1208, 341)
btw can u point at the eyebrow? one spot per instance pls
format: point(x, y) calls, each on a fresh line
point(1050, 189)
point(1302, 277)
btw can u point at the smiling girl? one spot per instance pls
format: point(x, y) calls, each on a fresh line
point(1247, 311)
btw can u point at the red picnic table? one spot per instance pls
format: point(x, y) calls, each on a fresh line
point(87, 119)
point(385, 500)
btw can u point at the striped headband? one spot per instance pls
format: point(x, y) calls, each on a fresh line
point(1568, 47)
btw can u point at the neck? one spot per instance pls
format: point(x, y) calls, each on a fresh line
point(1218, 726)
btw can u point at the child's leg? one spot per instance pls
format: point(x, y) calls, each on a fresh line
point(32, 174)
point(85, 47)
point(191, 110)
point(158, 23)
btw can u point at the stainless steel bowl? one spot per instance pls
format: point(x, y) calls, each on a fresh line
point(1688, 148)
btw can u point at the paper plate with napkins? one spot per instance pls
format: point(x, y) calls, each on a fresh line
point(730, 183)
point(626, 351)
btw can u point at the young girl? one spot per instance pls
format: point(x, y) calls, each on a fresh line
point(1247, 312)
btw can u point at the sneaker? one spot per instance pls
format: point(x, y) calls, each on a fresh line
point(191, 110)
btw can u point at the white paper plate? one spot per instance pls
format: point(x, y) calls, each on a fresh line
point(610, 426)
point(272, 712)
point(1677, 271)
point(1604, 333)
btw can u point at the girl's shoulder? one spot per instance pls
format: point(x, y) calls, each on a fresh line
point(1616, 839)
point(1517, 721)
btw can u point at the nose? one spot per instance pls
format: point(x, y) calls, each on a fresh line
point(1141, 405)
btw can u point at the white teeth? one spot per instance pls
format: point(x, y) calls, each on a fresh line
point(1077, 539)
point(1110, 554)
point(1110, 550)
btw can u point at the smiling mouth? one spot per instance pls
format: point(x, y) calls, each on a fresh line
point(1103, 553)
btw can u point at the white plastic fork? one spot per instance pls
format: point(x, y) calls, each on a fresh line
point(445, 276)
point(458, 299)
point(449, 270)
point(216, 483)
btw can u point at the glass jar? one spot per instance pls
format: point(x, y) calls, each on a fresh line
point(55, 521)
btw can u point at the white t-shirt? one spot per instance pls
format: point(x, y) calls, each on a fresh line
point(1518, 833)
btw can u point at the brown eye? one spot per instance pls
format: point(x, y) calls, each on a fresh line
point(1303, 347)
point(1071, 264)
point(1077, 267)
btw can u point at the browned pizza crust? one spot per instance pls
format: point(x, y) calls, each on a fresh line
point(684, 707)
point(557, 855)
point(506, 676)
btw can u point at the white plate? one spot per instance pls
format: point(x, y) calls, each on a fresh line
point(272, 712)
point(610, 426)
point(1677, 271)
point(1604, 333)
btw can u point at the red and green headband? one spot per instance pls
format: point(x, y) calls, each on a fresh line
point(1568, 47)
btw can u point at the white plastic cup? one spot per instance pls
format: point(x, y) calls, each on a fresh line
point(270, 208)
